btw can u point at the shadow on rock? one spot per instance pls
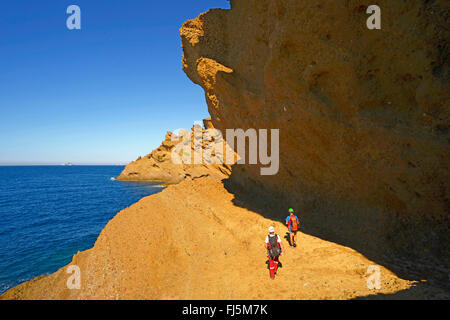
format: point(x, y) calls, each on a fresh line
point(432, 277)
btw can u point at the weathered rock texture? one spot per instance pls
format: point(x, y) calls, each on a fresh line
point(158, 165)
point(363, 114)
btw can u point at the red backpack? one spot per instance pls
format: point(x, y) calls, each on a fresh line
point(294, 223)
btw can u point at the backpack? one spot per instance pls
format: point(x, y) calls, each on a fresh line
point(274, 247)
point(294, 223)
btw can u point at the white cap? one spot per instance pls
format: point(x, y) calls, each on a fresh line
point(271, 229)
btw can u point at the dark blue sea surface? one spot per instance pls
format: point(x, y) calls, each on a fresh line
point(48, 213)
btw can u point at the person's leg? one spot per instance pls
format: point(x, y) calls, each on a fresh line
point(271, 268)
point(275, 265)
point(291, 238)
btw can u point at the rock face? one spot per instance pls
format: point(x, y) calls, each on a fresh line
point(363, 114)
point(158, 165)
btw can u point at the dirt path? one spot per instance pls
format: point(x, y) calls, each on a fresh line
point(191, 242)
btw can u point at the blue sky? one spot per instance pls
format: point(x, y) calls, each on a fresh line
point(104, 94)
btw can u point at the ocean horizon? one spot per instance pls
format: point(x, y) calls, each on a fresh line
point(50, 212)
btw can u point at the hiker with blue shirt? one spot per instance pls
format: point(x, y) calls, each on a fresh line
point(292, 223)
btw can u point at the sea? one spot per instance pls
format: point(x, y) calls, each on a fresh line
point(49, 213)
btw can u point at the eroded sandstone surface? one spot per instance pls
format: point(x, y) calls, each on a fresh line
point(363, 115)
point(159, 165)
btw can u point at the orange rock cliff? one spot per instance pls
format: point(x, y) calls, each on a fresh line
point(363, 115)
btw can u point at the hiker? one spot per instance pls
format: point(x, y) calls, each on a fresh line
point(274, 250)
point(292, 222)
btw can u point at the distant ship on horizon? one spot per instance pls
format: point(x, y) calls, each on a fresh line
point(67, 164)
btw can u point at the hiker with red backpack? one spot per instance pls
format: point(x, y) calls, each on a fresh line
point(292, 223)
point(274, 251)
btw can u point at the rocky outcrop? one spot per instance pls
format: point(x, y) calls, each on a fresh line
point(363, 114)
point(158, 165)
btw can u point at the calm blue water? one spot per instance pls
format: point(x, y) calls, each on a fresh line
point(48, 213)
